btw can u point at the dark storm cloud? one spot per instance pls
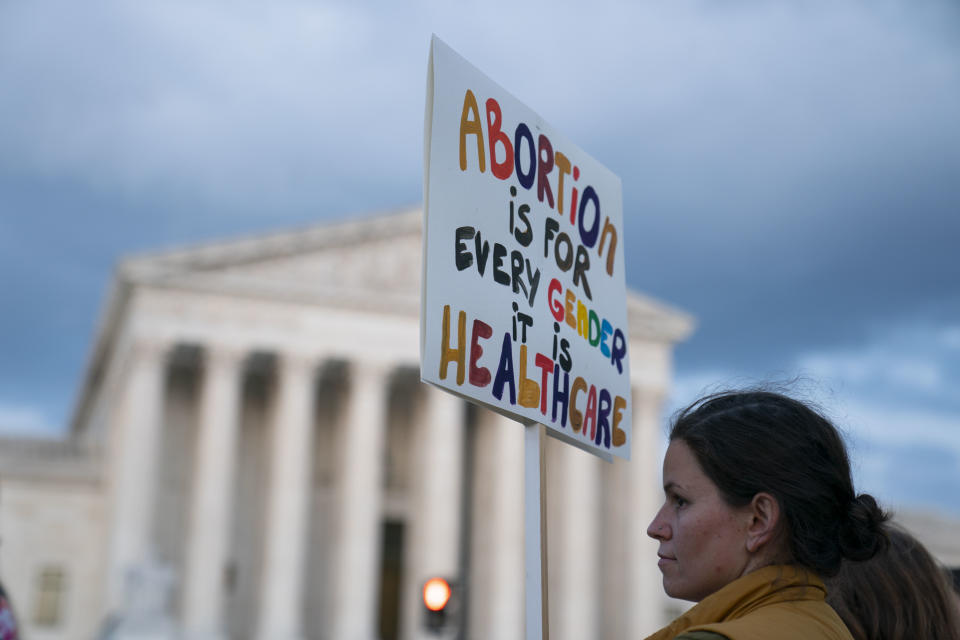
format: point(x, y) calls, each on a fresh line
point(789, 171)
point(803, 190)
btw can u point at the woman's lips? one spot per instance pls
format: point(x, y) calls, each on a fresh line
point(665, 561)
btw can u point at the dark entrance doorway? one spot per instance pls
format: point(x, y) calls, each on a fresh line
point(391, 577)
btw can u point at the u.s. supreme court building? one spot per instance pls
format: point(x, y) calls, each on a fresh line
point(252, 456)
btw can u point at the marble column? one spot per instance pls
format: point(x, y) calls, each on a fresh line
point(356, 566)
point(574, 543)
point(496, 565)
point(211, 499)
point(644, 488)
point(136, 434)
point(281, 603)
point(434, 531)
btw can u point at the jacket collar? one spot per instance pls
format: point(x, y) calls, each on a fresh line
point(768, 585)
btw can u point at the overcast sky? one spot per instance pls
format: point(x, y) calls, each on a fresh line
point(791, 175)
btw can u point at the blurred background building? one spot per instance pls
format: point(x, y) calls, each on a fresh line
point(789, 176)
point(252, 455)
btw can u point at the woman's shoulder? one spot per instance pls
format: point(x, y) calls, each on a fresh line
point(701, 635)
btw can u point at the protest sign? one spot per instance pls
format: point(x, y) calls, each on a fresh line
point(523, 292)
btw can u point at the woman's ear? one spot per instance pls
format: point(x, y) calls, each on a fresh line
point(764, 521)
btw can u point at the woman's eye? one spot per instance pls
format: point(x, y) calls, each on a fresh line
point(679, 502)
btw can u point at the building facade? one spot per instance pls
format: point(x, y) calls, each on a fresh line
point(253, 456)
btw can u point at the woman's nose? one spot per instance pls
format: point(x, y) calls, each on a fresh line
point(658, 529)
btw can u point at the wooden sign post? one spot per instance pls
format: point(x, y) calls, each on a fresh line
point(523, 298)
point(535, 534)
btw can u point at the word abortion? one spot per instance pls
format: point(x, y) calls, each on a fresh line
point(533, 162)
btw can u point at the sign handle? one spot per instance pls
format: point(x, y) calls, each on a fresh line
point(535, 533)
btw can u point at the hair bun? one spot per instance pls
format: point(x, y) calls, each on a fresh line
point(862, 533)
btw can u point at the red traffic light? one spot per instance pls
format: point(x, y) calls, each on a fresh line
point(436, 594)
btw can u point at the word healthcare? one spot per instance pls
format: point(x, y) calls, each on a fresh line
point(597, 419)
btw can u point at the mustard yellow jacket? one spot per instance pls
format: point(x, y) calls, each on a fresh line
point(782, 602)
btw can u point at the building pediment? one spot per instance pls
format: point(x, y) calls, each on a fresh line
point(364, 264)
point(372, 263)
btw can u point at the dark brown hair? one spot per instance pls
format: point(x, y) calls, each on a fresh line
point(748, 442)
point(900, 593)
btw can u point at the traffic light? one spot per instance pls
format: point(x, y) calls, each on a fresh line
point(439, 602)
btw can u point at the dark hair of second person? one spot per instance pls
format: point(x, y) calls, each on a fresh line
point(900, 593)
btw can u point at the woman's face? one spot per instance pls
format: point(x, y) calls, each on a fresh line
point(703, 540)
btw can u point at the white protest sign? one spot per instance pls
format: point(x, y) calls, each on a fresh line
point(523, 296)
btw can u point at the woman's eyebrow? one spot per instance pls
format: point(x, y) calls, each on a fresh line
point(671, 486)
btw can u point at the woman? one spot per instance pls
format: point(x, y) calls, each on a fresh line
point(900, 593)
point(759, 505)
